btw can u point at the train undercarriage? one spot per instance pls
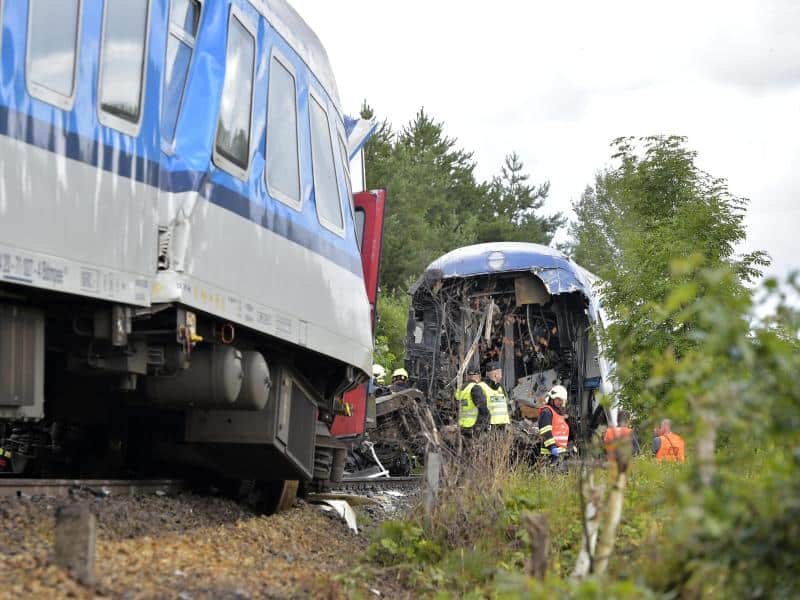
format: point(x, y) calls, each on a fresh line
point(89, 388)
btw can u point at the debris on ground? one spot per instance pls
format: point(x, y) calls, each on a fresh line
point(189, 546)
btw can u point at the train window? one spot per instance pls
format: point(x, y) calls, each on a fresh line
point(326, 189)
point(360, 217)
point(53, 50)
point(122, 64)
point(232, 146)
point(282, 159)
point(183, 23)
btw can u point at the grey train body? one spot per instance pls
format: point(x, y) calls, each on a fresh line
point(167, 294)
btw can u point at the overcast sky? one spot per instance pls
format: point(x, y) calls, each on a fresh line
point(557, 81)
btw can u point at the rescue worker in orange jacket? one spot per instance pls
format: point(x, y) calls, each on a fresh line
point(668, 446)
point(553, 425)
point(614, 436)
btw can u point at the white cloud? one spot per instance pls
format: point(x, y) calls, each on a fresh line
point(557, 81)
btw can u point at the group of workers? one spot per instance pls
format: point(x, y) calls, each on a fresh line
point(483, 404)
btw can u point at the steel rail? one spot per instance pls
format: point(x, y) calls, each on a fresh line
point(10, 487)
point(378, 483)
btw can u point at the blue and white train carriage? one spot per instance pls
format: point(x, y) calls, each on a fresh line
point(180, 273)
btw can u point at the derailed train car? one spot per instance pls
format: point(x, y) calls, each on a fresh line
point(525, 305)
point(180, 270)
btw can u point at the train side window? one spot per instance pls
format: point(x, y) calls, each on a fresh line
point(52, 53)
point(232, 145)
point(282, 154)
point(184, 20)
point(122, 64)
point(326, 188)
point(360, 218)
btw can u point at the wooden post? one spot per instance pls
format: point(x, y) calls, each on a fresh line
point(539, 534)
point(76, 534)
point(433, 467)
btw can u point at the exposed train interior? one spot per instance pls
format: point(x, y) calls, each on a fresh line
point(89, 388)
point(540, 340)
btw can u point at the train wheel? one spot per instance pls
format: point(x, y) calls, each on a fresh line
point(277, 496)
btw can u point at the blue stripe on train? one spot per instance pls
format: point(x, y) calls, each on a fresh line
point(57, 140)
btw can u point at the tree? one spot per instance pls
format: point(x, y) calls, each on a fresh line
point(589, 246)
point(431, 186)
point(654, 207)
point(508, 211)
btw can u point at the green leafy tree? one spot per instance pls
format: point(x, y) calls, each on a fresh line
point(654, 207)
point(589, 246)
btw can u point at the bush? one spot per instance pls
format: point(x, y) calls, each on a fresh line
point(390, 332)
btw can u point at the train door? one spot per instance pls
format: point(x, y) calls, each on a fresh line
point(369, 210)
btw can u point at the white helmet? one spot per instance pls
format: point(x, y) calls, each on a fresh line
point(378, 373)
point(558, 391)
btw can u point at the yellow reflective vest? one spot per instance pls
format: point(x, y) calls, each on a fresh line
point(497, 403)
point(467, 411)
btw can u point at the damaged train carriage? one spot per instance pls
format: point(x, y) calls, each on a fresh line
point(525, 305)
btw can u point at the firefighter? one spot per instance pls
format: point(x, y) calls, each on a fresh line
point(553, 426)
point(399, 380)
point(378, 374)
point(490, 396)
point(467, 409)
point(614, 436)
point(668, 446)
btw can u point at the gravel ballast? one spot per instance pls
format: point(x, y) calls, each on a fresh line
point(185, 547)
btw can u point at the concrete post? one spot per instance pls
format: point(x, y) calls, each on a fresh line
point(433, 467)
point(76, 534)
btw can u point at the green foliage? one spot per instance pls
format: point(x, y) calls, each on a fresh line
point(391, 329)
point(400, 542)
point(435, 203)
point(737, 387)
point(688, 345)
point(514, 585)
point(508, 211)
point(488, 560)
point(654, 207)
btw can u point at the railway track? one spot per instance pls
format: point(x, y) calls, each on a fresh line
point(374, 484)
point(99, 487)
point(15, 487)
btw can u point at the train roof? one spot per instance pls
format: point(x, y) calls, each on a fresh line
point(291, 26)
point(559, 274)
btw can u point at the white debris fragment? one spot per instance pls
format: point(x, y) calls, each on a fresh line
point(341, 508)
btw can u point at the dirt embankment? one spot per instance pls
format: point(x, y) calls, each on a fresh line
point(188, 547)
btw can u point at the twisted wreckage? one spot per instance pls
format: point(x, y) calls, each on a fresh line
point(525, 305)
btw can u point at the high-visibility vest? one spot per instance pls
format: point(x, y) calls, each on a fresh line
point(672, 448)
point(497, 403)
point(612, 435)
point(467, 411)
point(560, 431)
